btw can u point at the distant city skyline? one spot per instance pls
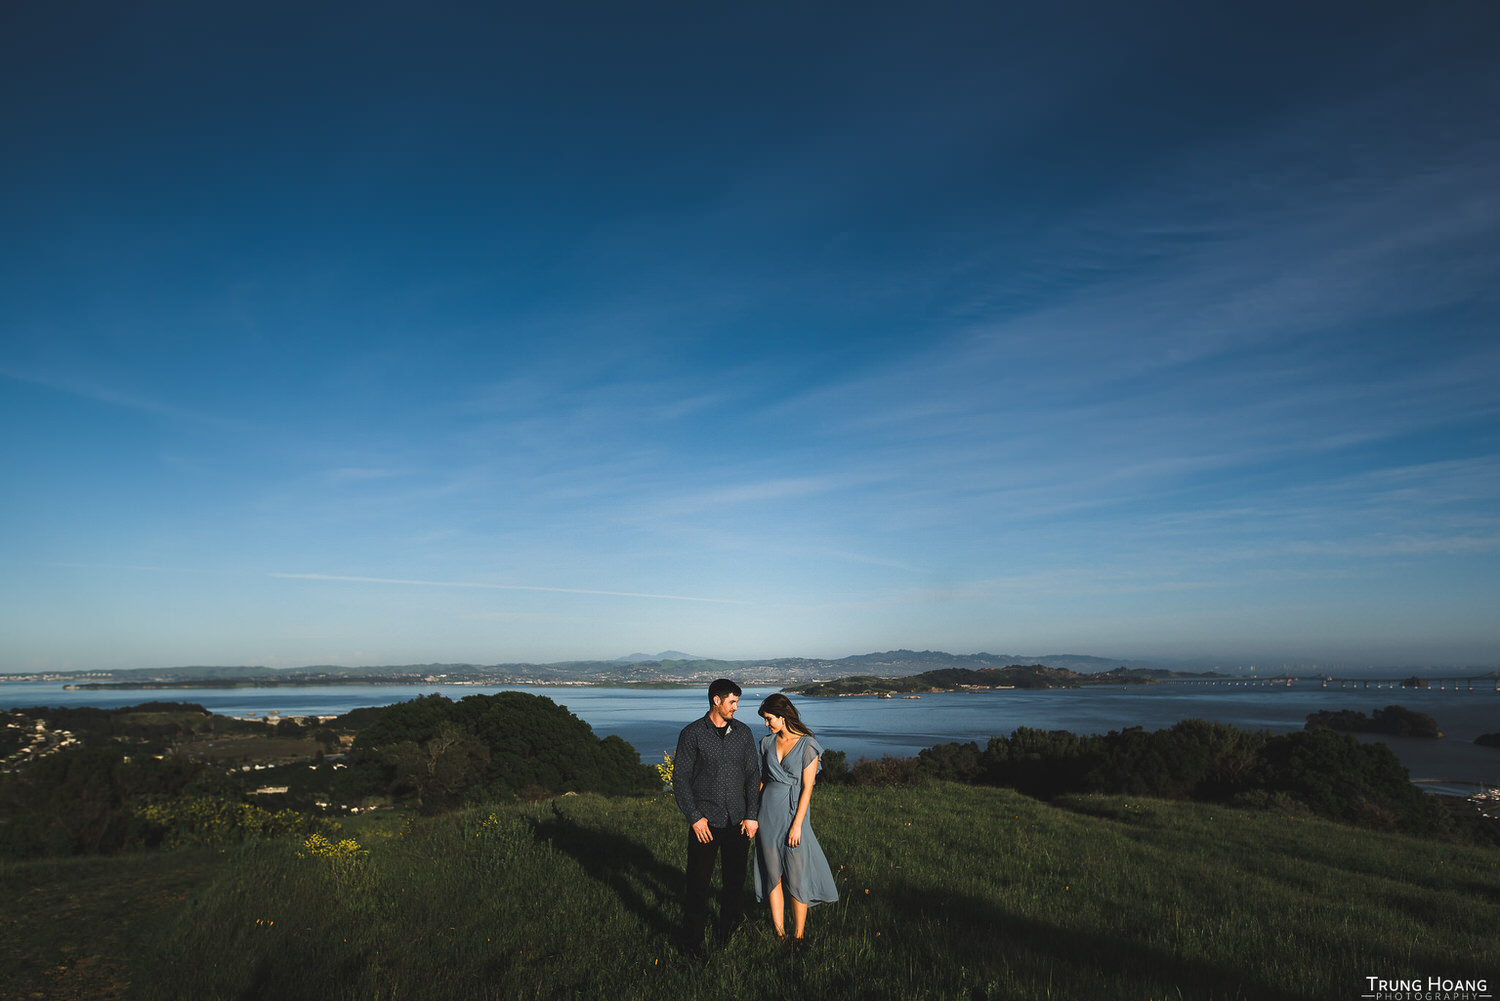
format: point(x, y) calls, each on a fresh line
point(381, 335)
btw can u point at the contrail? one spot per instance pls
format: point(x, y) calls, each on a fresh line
point(501, 587)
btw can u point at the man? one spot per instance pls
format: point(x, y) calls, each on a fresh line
point(716, 781)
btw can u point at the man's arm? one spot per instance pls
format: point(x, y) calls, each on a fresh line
point(684, 765)
point(751, 823)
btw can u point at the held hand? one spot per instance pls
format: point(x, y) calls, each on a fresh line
point(701, 831)
point(749, 827)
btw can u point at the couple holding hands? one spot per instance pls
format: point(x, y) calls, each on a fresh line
point(731, 791)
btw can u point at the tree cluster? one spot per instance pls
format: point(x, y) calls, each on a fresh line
point(83, 800)
point(1395, 721)
point(153, 726)
point(442, 753)
point(1318, 770)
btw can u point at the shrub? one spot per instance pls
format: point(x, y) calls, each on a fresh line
point(951, 762)
point(835, 767)
point(79, 801)
point(664, 770)
point(1194, 759)
point(216, 821)
point(444, 753)
point(317, 846)
point(888, 770)
point(1339, 777)
point(1319, 771)
point(1036, 762)
point(1397, 721)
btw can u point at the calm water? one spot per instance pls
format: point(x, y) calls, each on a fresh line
point(866, 727)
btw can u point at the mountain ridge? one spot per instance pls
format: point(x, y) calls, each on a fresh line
point(670, 666)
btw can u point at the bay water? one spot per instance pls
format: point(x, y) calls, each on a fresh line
point(871, 727)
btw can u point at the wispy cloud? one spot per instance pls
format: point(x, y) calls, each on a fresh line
point(111, 396)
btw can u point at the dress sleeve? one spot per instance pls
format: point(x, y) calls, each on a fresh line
point(812, 751)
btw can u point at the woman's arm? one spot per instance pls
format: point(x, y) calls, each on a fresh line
point(809, 776)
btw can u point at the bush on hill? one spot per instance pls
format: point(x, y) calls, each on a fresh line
point(1331, 774)
point(180, 821)
point(357, 719)
point(1396, 721)
point(151, 726)
point(81, 800)
point(1343, 779)
point(887, 770)
point(835, 767)
point(443, 753)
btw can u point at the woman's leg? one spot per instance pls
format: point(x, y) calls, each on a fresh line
point(778, 914)
point(799, 917)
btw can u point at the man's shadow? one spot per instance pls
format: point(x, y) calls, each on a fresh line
point(643, 882)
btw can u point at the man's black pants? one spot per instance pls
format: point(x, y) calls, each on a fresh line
point(732, 849)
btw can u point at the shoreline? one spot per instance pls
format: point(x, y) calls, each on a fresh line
point(167, 686)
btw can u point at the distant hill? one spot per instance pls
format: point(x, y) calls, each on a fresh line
point(897, 663)
point(670, 667)
point(960, 678)
point(947, 680)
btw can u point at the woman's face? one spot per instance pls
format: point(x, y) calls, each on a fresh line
point(776, 724)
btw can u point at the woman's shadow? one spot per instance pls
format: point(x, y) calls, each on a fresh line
point(643, 882)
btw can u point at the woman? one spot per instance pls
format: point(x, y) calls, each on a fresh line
point(788, 859)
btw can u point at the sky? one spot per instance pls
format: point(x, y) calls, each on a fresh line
point(394, 333)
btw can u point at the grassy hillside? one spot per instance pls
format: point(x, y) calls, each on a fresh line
point(948, 891)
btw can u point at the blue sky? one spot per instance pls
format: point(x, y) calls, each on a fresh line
point(397, 333)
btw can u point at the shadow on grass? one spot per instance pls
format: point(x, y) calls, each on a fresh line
point(1329, 867)
point(1075, 963)
point(644, 884)
point(285, 974)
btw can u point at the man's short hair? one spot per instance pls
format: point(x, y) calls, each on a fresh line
point(721, 688)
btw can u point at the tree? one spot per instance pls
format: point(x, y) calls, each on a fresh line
point(444, 752)
point(1341, 778)
point(440, 770)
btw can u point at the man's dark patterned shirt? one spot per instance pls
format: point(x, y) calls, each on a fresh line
point(716, 775)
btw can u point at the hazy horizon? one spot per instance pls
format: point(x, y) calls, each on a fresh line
point(377, 335)
point(1266, 668)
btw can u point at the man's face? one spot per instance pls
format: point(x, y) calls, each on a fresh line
point(726, 706)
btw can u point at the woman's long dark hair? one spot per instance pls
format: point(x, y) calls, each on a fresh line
point(780, 705)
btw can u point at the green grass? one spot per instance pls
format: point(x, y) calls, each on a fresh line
point(76, 928)
point(947, 892)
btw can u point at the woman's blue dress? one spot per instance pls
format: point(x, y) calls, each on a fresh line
point(803, 869)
